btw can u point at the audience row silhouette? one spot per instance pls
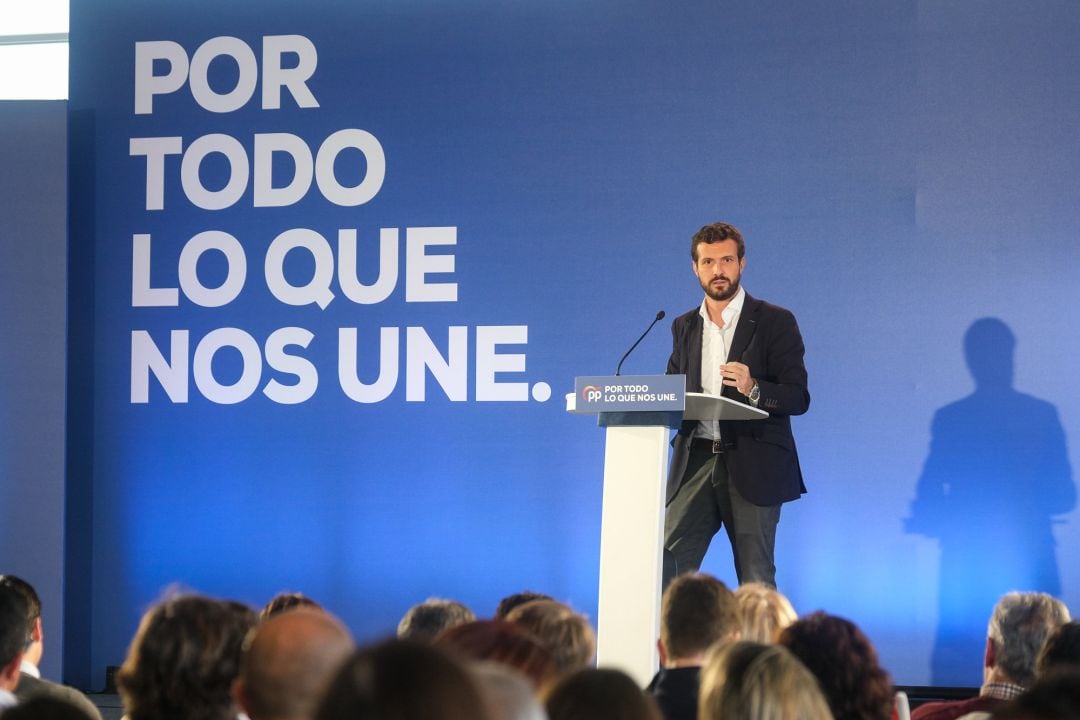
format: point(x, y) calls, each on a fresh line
point(742, 655)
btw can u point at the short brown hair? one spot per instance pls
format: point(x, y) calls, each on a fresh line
point(501, 642)
point(714, 233)
point(697, 610)
point(284, 601)
point(600, 693)
point(510, 602)
point(402, 679)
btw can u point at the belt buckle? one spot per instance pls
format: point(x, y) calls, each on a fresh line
point(717, 447)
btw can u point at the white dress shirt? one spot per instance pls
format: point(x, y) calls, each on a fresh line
point(715, 346)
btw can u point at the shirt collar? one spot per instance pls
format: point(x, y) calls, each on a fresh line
point(1001, 691)
point(30, 669)
point(733, 308)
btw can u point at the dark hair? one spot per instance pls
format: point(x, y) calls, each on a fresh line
point(12, 624)
point(402, 680)
point(184, 659)
point(33, 602)
point(1061, 649)
point(566, 634)
point(502, 642)
point(697, 610)
point(845, 664)
point(714, 233)
point(1054, 696)
point(600, 694)
point(425, 621)
point(43, 707)
point(510, 602)
point(286, 601)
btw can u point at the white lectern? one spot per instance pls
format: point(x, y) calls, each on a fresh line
point(632, 522)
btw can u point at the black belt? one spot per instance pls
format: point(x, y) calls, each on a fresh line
point(710, 446)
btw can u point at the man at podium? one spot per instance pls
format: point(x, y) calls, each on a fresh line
point(729, 474)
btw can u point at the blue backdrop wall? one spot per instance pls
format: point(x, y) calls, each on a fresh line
point(33, 282)
point(334, 267)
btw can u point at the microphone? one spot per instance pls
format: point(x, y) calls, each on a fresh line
point(658, 318)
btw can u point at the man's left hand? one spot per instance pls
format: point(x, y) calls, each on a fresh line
point(737, 375)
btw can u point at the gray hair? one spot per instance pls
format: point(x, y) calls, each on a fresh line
point(1018, 628)
point(425, 621)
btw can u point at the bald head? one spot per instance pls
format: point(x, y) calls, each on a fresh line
point(289, 660)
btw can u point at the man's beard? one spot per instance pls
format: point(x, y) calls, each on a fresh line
point(722, 293)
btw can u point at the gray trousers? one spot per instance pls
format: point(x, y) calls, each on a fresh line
point(707, 501)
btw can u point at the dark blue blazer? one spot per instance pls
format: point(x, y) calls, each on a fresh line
point(762, 460)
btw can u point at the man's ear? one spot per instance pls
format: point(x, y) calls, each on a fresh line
point(990, 657)
point(36, 634)
point(663, 653)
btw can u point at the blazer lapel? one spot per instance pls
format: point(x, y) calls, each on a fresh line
point(693, 361)
point(744, 333)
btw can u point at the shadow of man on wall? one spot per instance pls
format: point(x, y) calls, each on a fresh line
point(996, 475)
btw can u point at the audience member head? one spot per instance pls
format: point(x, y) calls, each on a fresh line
point(287, 601)
point(506, 693)
point(402, 680)
point(288, 662)
point(33, 616)
point(1061, 649)
point(425, 621)
point(566, 634)
point(13, 613)
point(45, 707)
point(510, 602)
point(697, 611)
point(599, 694)
point(765, 612)
point(1018, 628)
point(1053, 696)
point(845, 664)
point(502, 642)
point(746, 680)
point(184, 659)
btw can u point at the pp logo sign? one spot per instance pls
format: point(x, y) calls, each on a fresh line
point(591, 393)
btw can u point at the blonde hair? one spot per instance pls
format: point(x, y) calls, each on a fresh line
point(753, 681)
point(566, 634)
point(765, 612)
